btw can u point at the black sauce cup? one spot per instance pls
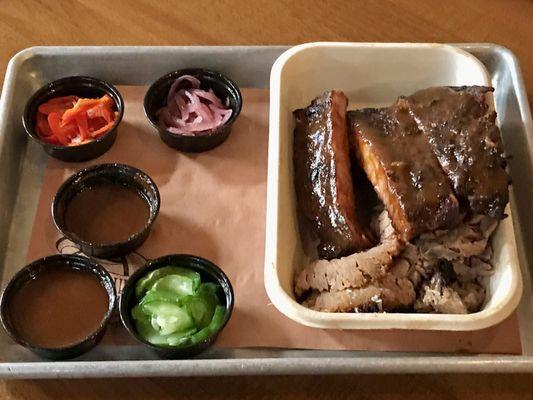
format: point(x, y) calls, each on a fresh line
point(82, 86)
point(31, 271)
point(223, 87)
point(208, 271)
point(107, 174)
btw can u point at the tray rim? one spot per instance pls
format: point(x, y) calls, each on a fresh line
point(293, 365)
point(265, 366)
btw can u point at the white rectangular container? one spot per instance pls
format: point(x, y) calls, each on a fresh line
point(371, 75)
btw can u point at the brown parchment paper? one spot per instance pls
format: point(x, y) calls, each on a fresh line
point(213, 205)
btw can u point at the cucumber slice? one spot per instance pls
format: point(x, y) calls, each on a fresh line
point(211, 286)
point(159, 295)
point(145, 284)
point(201, 305)
point(145, 328)
point(167, 318)
point(214, 325)
point(151, 335)
point(177, 284)
point(180, 338)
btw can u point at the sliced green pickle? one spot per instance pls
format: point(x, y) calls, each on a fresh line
point(146, 283)
point(158, 295)
point(180, 338)
point(145, 329)
point(177, 284)
point(167, 318)
point(175, 309)
point(201, 305)
point(214, 326)
point(213, 287)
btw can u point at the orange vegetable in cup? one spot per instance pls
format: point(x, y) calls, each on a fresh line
point(71, 120)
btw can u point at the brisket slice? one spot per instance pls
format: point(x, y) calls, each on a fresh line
point(355, 270)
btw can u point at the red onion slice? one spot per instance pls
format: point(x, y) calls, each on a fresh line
point(191, 110)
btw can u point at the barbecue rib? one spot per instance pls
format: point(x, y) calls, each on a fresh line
point(463, 135)
point(405, 173)
point(323, 178)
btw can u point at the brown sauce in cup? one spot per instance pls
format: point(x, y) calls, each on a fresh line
point(60, 307)
point(106, 214)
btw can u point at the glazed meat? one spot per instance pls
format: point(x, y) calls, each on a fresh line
point(323, 178)
point(463, 135)
point(405, 173)
point(435, 160)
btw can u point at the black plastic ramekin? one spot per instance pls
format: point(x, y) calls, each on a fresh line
point(208, 271)
point(106, 174)
point(82, 86)
point(31, 271)
point(223, 87)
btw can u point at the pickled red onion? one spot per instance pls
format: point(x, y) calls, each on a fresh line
point(191, 110)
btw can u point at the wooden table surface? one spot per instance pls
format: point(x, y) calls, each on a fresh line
point(26, 23)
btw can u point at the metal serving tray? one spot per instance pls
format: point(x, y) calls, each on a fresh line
point(21, 170)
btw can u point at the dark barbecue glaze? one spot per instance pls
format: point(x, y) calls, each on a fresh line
point(462, 132)
point(323, 178)
point(404, 171)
